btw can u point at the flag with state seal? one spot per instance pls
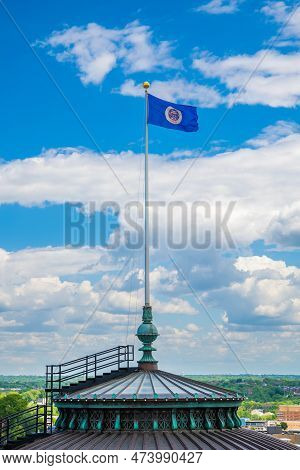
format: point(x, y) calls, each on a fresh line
point(179, 117)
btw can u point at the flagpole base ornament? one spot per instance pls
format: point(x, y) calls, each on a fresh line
point(147, 333)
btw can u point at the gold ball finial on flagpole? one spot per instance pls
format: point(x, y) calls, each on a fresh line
point(146, 85)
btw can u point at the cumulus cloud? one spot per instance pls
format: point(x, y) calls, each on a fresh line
point(288, 18)
point(42, 289)
point(60, 261)
point(284, 228)
point(46, 312)
point(257, 293)
point(8, 323)
point(273, 133)
point(267, 297)
point(96, 50)
point(218, 7)
point(34, 298)
point(81, 174)
point(267, 77)
point(176, 90)
point(165, 280)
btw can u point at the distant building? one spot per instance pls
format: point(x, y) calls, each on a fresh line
point(41, 401)
point(292, 391)
point(289, 413)
point(270, 427)
point(257, 412)
point(258, 425)
point(293, 426)
point(274, 429)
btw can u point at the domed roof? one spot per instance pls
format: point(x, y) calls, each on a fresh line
point(152, 385)
point(235, 439)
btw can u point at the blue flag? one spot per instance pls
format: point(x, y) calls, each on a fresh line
point(179, 117)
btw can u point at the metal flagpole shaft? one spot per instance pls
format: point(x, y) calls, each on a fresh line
point(147, 332)
point(147, 281)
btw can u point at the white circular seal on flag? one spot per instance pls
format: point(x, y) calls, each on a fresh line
point(174, 116)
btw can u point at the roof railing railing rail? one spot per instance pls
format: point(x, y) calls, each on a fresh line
point(100, 353)
point(87, 367)
point(88, 362)
point(33, 420)
point(85, 362)
point(14, 415)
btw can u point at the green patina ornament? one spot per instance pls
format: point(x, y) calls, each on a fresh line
point(147, 333)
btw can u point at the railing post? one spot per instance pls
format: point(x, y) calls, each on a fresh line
point(37, 419)
point(51, 409)
point(45, 418)
point(127, 351)
point(86, 367)
point(7, 430)
point(119, 359)
point(51, 378)
point(95, 365)
point(59, 380)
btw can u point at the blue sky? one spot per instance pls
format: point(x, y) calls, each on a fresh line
point(238, 62)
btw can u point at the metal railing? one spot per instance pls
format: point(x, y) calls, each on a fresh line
point(39, 419)
point(87, 367)
point(33, 420)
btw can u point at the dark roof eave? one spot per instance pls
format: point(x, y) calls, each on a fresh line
point(148, 403)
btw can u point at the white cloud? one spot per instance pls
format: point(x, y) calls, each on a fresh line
point(218, 7)
point(36, 299)
point(179, 338)
point(45, 313)
point(164, 280)
point(111, 318)
point(284, 228)
point(253, 264)
point(176, 90)
point(261, 295)
point(192, 327)
point(8, 323)
point(267, 77)
point(288, 18)
point(175, 305)
point(20, 265)
point(267, 297)
point(121, 300)
point(97, 50)
point(273, 133)
point(251, 177)
point(36, 296)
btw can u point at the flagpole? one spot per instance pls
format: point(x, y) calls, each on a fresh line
point(147, 332)
point(146, 85)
